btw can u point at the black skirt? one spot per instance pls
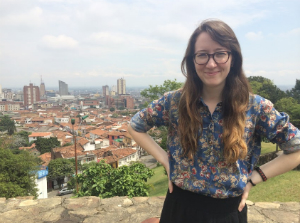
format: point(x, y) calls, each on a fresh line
point(183, 206)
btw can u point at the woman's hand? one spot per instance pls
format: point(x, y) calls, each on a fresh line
point(245, 196)
point(170, 182)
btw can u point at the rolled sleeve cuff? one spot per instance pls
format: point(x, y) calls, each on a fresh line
point(291, 146)
point(138, 124)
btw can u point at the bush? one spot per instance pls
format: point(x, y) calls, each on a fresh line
point(104, 181)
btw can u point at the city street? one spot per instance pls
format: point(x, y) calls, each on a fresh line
point(149, 161)
point(54, 194)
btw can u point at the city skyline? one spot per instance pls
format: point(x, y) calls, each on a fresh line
point(141, 41)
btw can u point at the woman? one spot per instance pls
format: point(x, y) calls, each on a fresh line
point(215, 125)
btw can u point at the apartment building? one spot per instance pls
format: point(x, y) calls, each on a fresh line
point(31, 95)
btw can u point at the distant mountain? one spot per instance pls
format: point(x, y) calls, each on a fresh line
point(285, 87)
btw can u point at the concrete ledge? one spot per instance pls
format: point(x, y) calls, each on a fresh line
point(122, 209)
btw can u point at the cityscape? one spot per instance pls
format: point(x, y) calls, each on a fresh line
point(34, 97)
point(100, 119)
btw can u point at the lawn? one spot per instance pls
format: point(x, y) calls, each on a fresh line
point(282, 188)
point(159, 182)
point(267, 147)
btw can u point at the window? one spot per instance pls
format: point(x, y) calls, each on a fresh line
point(89, 159)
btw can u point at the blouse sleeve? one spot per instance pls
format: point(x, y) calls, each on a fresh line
point(156, 114)
point(277, 128)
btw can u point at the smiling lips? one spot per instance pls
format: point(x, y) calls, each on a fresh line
point(212, 73)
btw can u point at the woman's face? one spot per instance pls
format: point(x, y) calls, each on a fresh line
point(211, 74)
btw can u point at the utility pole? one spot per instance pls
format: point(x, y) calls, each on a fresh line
point(74, 139)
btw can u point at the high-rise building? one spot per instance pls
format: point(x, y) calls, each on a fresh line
point(1, 94)
point(42, 89)
point(121, 85)
point(31, 94)
point(63, 88)
point(105, 90)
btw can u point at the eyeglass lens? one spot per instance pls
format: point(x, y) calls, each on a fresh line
point(219, 57)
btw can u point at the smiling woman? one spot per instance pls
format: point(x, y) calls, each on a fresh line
point(215, 125)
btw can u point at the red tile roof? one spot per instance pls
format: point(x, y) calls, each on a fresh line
point(40, 134)
point(46, 158)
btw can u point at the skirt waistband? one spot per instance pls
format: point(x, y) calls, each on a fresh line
point(210, 204)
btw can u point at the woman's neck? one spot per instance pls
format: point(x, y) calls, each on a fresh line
point(212, 94)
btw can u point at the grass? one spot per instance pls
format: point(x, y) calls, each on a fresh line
point(282, 188)
point(267, 147)
point(159, 182)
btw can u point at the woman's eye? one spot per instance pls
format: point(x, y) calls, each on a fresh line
point(221, 54)
point(201, 55)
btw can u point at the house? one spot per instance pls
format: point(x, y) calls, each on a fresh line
point(36, 135)
point(41, 183)
point(114, 135)
point(86, 144)
point(128, 140)
point(63, 137)
point(101, 143)
point(46, 158)
point(96, 133)
point(31, 149)
point(61, 119)
point(118, 157)
point(68, 152)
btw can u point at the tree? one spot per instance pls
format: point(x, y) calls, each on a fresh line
point(290, 106)
point(24, 135)
point(112, 109)
point(266, 88)
point(6, 124)
point(45, 145)
point(162, 133)
point(295, 92)
point(115, 115)
point(17, 174)
point(59, 169)
point(102, 180)
point(154, 92)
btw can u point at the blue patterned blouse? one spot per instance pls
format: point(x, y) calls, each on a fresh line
point(210, 174)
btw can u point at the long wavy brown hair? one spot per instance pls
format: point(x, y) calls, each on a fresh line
point(235, 96)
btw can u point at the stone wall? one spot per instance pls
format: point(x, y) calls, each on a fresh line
point(121, 209)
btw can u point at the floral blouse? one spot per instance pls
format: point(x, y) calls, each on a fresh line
point(209, 174)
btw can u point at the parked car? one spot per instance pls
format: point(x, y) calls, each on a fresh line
point(64, 191)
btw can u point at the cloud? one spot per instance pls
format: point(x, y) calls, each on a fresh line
point(29, 19)
point(123, 41)
point(254, 36)
point(59, 42)
point(174, 31)
point(293, 33)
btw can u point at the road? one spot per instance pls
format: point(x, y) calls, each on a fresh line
point(149, 161)
point(54, 194)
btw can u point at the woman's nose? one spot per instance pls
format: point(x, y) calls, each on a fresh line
point(211, 63)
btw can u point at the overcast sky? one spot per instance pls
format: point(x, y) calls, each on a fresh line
point(89, 43)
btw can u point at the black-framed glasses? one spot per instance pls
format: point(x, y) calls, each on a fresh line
point(220, 57)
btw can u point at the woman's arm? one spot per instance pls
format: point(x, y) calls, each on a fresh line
point(275, 167)
point(148, 144)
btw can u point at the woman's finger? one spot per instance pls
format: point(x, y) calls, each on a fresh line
point(244, 197)
point(170, 186)
point(242, 204)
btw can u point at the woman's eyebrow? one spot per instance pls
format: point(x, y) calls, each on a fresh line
point(217, 49)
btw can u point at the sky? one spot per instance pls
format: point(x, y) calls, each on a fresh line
point(89, 43)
